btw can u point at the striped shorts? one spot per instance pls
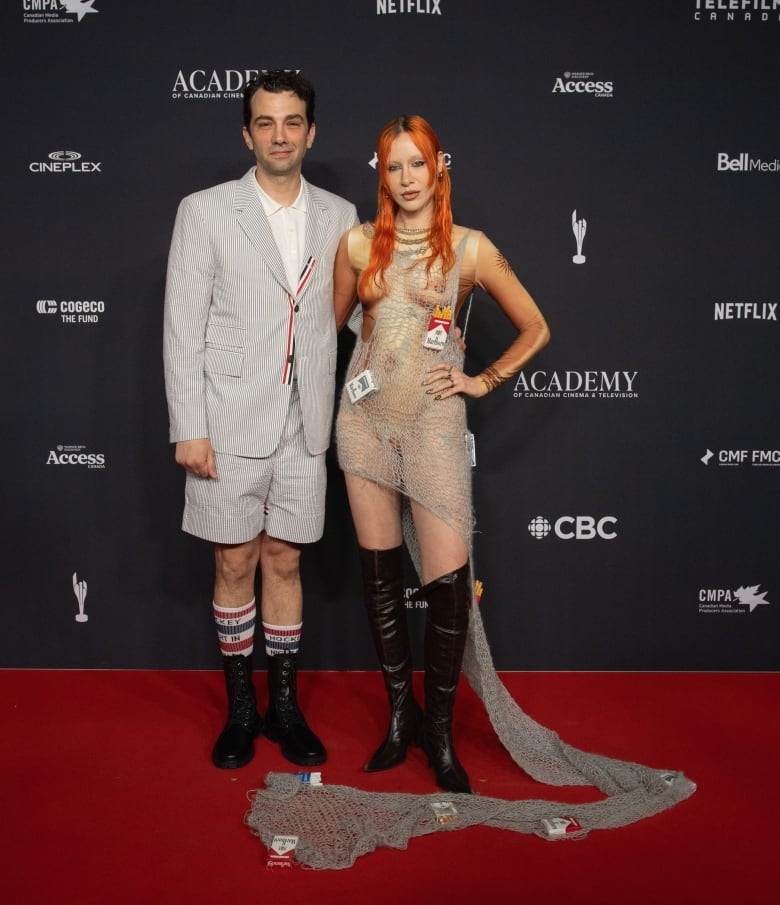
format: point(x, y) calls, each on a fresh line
point(282, 494)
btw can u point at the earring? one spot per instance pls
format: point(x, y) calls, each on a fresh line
point(441, 175)
point(387, 194)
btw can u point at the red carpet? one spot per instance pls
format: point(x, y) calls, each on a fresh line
point(109, 796)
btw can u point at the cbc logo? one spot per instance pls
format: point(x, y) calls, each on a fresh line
point(574, 527)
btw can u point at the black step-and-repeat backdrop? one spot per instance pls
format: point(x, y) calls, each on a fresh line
point(623, 156)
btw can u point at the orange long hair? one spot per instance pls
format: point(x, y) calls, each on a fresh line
point(440, 238)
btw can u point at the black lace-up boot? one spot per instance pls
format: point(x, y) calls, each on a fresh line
point(284, 722)
point(235, 745)
point(446, 625)
point(383, 596)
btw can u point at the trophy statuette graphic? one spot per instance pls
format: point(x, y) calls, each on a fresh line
point(579, 228)
point(80, 590)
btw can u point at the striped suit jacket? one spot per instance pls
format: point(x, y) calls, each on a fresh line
point(234, 329)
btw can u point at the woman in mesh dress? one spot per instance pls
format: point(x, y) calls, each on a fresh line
point(401, 428)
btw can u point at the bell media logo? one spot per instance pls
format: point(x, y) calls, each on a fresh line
point(744, 163)
point(574, 527)
point(50, 12)
point(67, 162)
point(725, 602)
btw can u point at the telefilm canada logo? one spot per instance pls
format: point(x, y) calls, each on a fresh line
point(744, 163)
point(213, 84)
point(75, 455)
point(417, 7)
point(583, 83)
point(725, 602)
point(67, 162)
point(736, 458)
point(574, 527)
point(576, 385)
point(72, 311)
point(56, 12)
point(736, 10)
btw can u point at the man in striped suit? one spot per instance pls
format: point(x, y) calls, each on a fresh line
point(250, 360)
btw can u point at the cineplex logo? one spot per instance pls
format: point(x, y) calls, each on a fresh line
point(744, 163)
point(65, 162)
point(576, 385)
point(75, 455)
point(734, 458)
point(574, 527)
point(727, 602)
point(49, 11)
point(73, 311)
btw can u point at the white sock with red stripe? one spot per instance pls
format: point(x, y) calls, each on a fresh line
point(236, 629)
point(282, 639)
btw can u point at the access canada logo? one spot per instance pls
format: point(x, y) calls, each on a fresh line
point(75, 455)
point(583, 83)
point(736, 10)
point(66, 162)
point(574, 527)
point(725, 602)
point(72, 311)
point(56, 12)
point(576, 385)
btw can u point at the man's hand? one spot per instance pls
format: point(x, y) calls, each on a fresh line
point(197, 458)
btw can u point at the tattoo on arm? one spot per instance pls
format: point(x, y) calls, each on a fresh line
point(503, 264)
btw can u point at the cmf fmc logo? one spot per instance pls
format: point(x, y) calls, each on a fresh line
point(574, 527)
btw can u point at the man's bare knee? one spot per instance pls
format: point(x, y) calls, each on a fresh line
point(280, 558)
point(236, 563)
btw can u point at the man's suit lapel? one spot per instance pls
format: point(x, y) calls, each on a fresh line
point(317, 220)
point(253, 221)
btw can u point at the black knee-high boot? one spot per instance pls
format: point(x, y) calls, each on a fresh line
point(383, 596)
point(235, 745)
point(445, 639)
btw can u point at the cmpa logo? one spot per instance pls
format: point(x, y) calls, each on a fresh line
point(65, 162)
point(726, 601)
point(50, 11)
point(574, 527)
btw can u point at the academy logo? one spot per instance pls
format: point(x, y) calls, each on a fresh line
point(576, 385)
point(724, 601)
point(50, 12)
point(214, 84)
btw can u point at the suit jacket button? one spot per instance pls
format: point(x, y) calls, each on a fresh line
point(297, 308)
